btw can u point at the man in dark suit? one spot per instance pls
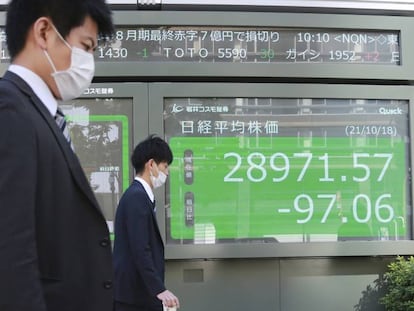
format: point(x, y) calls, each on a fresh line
point(55, 252)
point(138, 247)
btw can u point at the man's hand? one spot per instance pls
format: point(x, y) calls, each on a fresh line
point(168, 299)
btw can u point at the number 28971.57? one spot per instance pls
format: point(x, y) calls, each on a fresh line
point(279, 166)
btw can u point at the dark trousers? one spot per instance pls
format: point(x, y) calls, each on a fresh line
point(120, 306)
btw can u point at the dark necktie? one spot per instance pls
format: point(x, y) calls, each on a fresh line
point(61, 122)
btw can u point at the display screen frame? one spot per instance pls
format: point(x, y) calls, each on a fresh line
point(139, 123)
point(160, 91)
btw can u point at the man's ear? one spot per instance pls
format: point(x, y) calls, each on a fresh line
point(151, 162)
point(148, 164)
point(43, 31)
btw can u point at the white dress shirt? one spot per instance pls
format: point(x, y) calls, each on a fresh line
point(38, 86)
point(147, 188)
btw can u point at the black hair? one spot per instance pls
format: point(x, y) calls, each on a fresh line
point(153, 147)
point(65, 14)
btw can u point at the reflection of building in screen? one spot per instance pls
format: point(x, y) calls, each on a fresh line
point(100, 133)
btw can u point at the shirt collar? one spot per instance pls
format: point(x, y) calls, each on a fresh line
point(147, 188)
point(38, 86)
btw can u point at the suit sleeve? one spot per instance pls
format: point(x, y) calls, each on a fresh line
point(20, 286)
point(140, 229)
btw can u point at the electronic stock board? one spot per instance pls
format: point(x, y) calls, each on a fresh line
point(288, 169)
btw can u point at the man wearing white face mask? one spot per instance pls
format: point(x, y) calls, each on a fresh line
point(55, 251)
point(138, 247)
point(73, 81)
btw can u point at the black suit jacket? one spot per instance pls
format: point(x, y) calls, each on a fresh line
point(55, 252)
point(138, 250)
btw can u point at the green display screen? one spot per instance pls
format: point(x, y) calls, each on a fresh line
point(283, 170)
point(264, 187)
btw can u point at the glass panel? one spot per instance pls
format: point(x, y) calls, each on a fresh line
point(287, 170)
point(252, 45)
point(246, 45)
point(100, 130)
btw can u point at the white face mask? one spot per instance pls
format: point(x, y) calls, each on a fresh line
point(159, 180)
point(73, 81)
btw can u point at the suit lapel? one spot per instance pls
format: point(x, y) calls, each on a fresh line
point(71, 159)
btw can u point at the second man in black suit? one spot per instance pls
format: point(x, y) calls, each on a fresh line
point(138, 247)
